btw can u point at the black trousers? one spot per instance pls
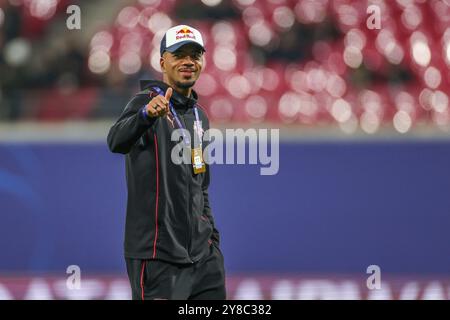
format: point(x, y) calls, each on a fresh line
point(156, 279)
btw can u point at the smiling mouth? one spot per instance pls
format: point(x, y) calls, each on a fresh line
point(187, 72)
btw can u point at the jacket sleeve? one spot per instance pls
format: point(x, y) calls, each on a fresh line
point(130, 126)
point(207, 208)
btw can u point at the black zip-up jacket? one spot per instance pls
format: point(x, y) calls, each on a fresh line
point(168, 212)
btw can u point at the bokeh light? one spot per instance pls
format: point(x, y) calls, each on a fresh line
point(211, 3)
point(256, 108)
point(224, 58)
point(43, 9)
point(99, 62)
point(420, 50)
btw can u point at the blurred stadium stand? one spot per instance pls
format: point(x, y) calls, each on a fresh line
point(312, 68)
point(281, 61)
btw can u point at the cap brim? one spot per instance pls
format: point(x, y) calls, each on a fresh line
point(178, 45)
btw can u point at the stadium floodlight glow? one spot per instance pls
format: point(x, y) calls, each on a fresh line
point(145, 15)
point(348, 15)
point(402, 121)
point(298, 81)
point(223, 33)
point(369, 122)
point(442, 119)
point(222, 109)
point(352, 57)
point(245, 2)
point(99, 62)
point(311, 11)
point(447, 53)
point(383, 38)
point(411, 17)
point(211, 3)
point(159, 21)
point(256, 108)
point(260, 34)
point(102, 40)
point(425, 98)
point(17, 51)
point(439, 101)
point(405, 102)
point(130, 63)
point(270, 79)
point(206, 85)
point(43, 9)
point(393, 52)
point(252, 16)
point(289, 106)
point(284, 17)
point(420, 51)
point(371, 101)
point(128, 17)
point(238, 86)
point(336, 86)
point(132, 41)
point(316, 79)
point(224, 58)
point(156, 41)
point(387, 45)
point(255, 78)
point(155, 56)
point(355, 38)
point(308, 105)
point(341, 110)
point(153, 3)
point(432, 77)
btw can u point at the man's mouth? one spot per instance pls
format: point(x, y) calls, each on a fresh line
point(186, 72)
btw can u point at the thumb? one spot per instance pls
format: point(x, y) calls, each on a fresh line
point(169, 92)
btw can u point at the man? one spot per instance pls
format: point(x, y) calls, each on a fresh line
point(171, 242)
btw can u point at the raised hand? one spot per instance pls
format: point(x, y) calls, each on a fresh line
point(159, 105)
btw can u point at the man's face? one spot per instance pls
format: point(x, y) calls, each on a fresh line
point(183, 67)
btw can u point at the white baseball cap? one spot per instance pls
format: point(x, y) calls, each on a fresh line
point(178, 36)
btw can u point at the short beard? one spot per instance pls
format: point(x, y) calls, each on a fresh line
point(185, 85)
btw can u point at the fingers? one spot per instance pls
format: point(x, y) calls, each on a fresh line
point(162, 110)
point(162, 105)
point(157, 107)
point(162, 101)
point(168, 95)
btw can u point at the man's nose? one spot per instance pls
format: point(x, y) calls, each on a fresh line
point(188, 60)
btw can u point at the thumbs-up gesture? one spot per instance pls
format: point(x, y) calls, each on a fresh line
point(159, 105)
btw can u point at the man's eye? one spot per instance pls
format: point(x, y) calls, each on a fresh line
point(181, 56)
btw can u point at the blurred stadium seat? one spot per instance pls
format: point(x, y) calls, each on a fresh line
point(289, 62)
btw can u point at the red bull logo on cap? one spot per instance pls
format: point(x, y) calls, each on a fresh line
point(184, 33)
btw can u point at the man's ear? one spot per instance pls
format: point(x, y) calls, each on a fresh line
point(162, 65)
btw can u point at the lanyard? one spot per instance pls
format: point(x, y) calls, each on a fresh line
point(179, 124)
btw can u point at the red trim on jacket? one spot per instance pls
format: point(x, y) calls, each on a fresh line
point(157, 196)
point(144, 263)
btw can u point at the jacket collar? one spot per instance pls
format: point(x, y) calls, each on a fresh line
point(178, 100)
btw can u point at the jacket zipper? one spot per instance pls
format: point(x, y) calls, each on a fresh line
point(188, 179)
